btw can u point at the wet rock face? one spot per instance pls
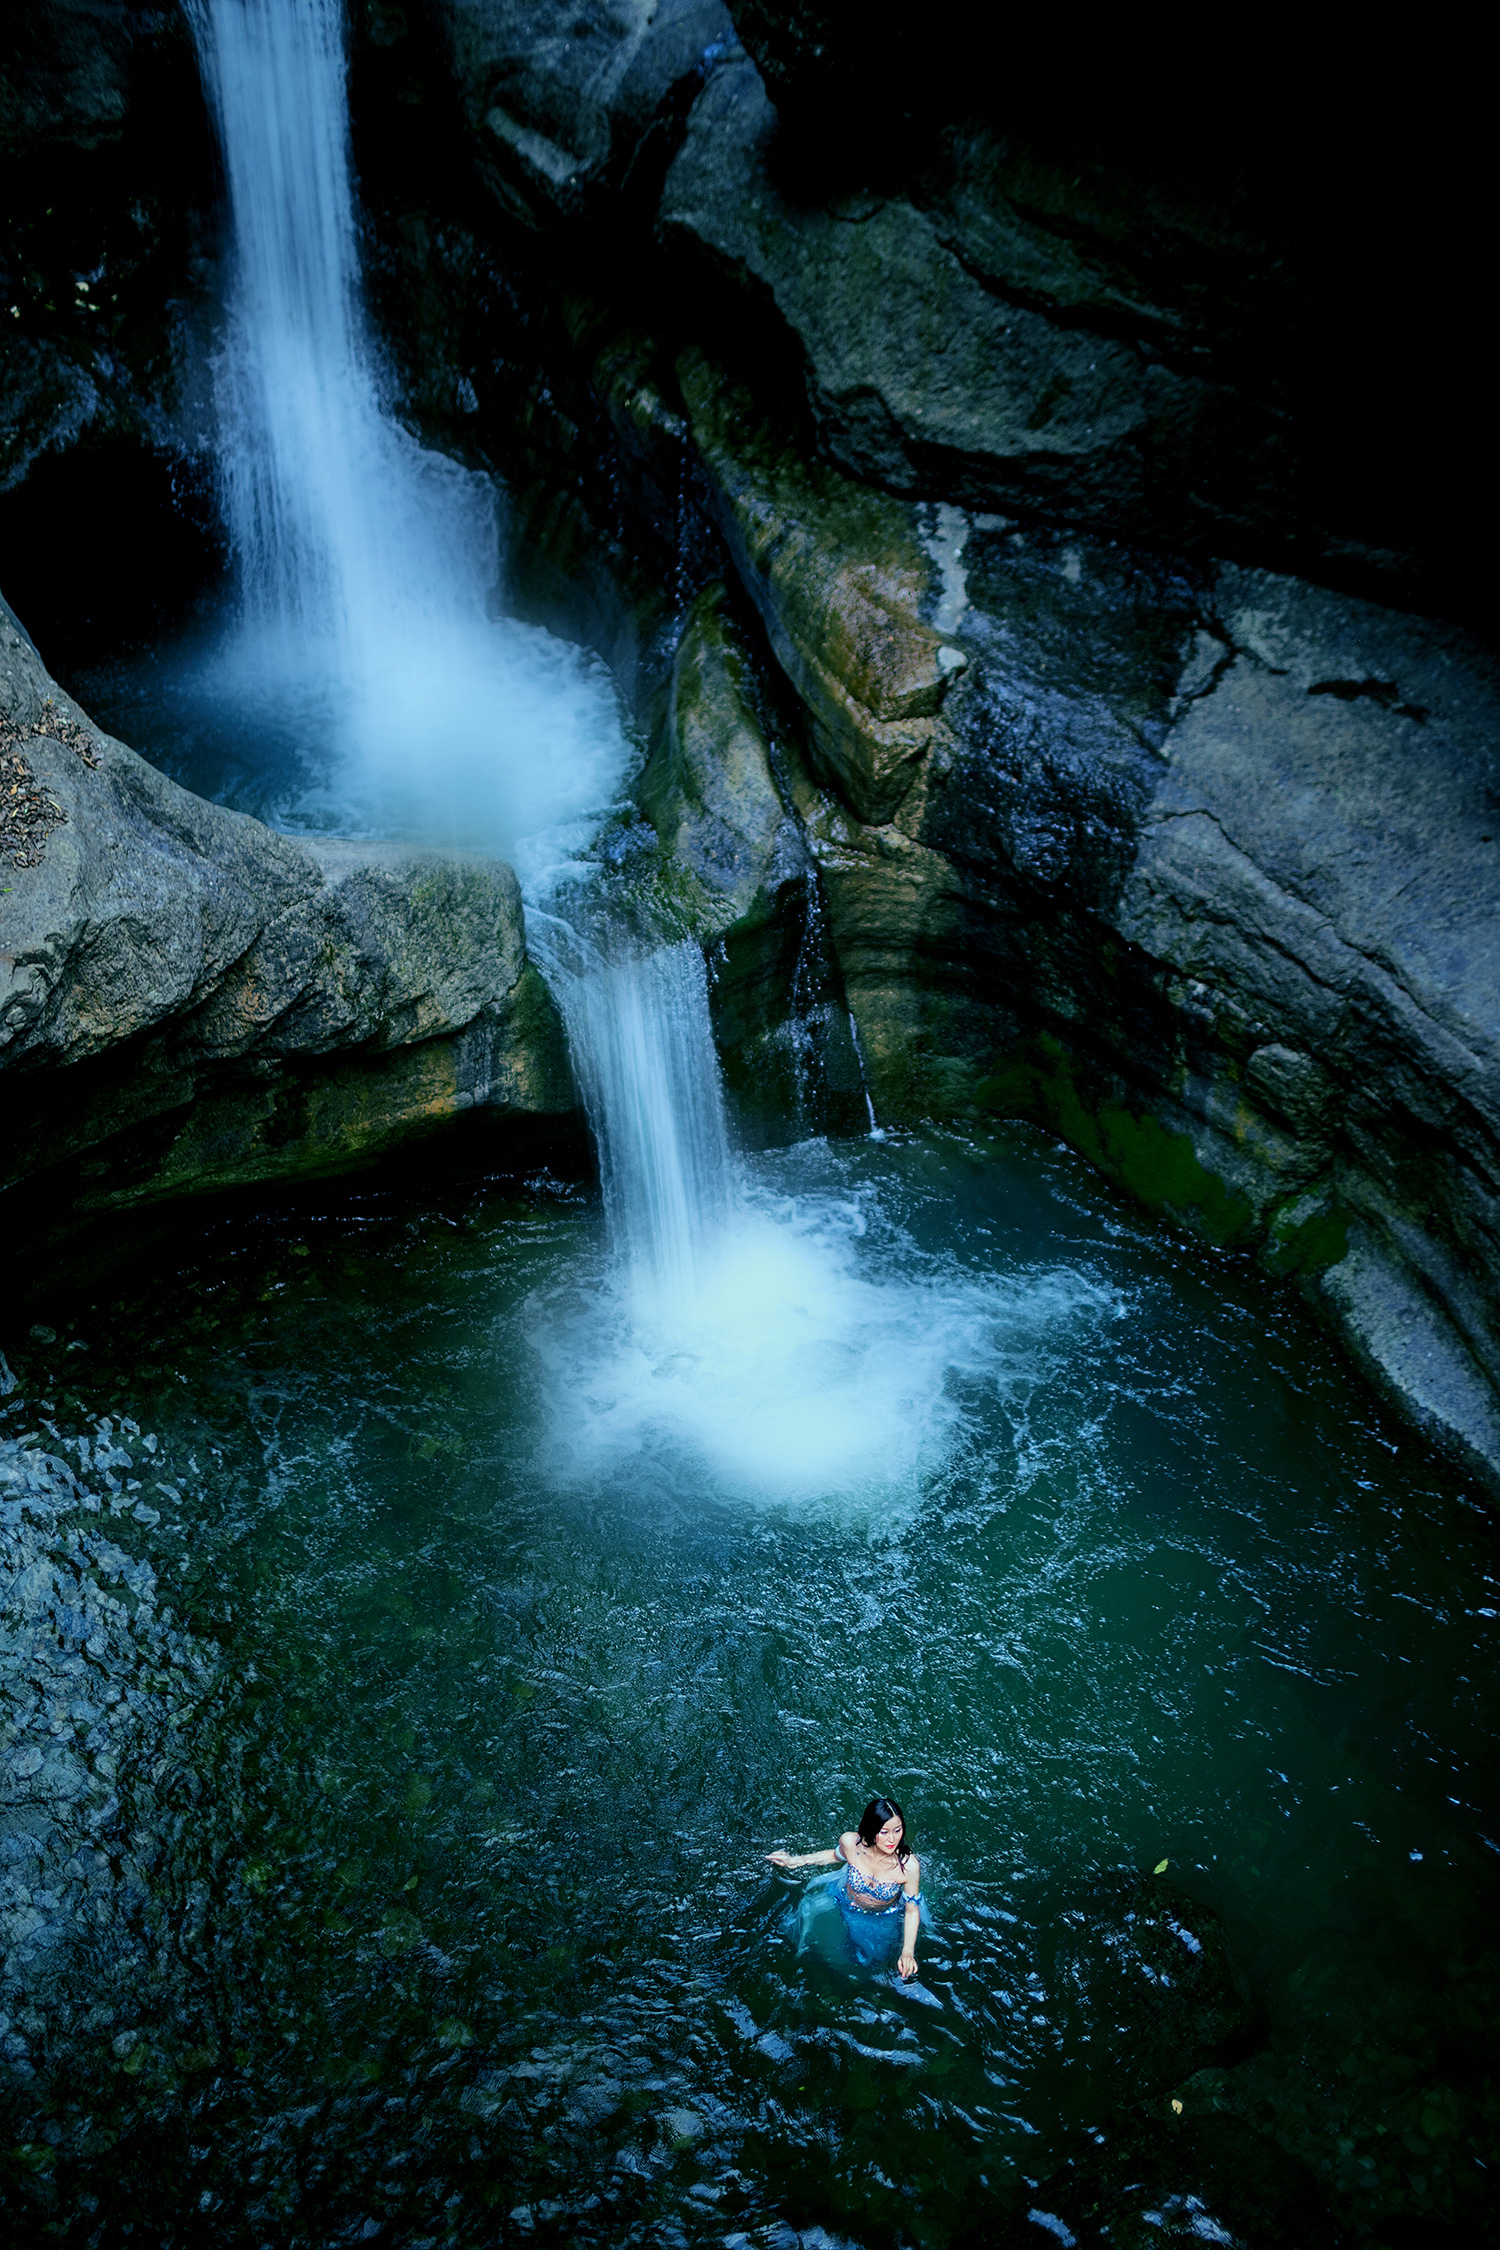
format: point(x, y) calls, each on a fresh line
point(189, 1001)
point(840, 579)
point(1075, 650)
point(105, 169)
point(1175, 246)
point(564, 101)
point(962, 345)
point(1317, 867)
point(1193, 866)
point(709, 790)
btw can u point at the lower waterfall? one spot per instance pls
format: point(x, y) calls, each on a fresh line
point(642, 1044)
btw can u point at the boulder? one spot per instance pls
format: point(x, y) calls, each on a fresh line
point(190, 1001)
point(709, 791)
point(562, 101)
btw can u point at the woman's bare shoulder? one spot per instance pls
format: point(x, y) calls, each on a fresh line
point(912, 1872)
point(847, 1843)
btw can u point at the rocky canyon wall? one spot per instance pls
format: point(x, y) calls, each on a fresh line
point(1027, 544)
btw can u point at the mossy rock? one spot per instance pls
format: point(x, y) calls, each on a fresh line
point(1162, 1168)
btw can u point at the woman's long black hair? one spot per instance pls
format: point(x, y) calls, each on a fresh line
point(874, 1817)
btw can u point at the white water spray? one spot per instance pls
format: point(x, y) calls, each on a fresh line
point(762, 1330)
point(365, 563)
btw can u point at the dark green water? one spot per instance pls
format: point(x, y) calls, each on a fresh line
point(452, 1922)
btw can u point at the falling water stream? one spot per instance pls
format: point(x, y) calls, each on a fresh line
point(363, 679)
point(537, 1567)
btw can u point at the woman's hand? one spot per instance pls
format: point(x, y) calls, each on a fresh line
point(906, 1966)
point(780, 1859)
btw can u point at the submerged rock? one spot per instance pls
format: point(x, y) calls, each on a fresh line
point(189, 1001)
point(1141, 1987)
point(98, 1685)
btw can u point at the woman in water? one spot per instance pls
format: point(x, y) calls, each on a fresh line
point(881, 1883)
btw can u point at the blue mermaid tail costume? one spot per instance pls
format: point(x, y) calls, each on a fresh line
point(829, 1923)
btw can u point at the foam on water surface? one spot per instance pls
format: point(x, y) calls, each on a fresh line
point(819, 1355)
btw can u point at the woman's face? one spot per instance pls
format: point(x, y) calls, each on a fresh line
point(887, 1838)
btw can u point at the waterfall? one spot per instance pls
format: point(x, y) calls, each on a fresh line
point(365, 564)
point(643, 1046)
point(774, 1334)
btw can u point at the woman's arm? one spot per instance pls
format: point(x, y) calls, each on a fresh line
point(816, 1859)
point(907, 1965)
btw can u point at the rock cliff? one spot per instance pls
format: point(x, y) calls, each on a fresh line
point(189, 1001)
point(1196, 869)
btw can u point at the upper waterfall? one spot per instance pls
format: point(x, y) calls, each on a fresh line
point(366, 564)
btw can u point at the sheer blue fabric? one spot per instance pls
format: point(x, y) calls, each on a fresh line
point(845, 1935)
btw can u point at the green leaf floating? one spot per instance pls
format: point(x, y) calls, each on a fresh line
point(1160, 1868)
